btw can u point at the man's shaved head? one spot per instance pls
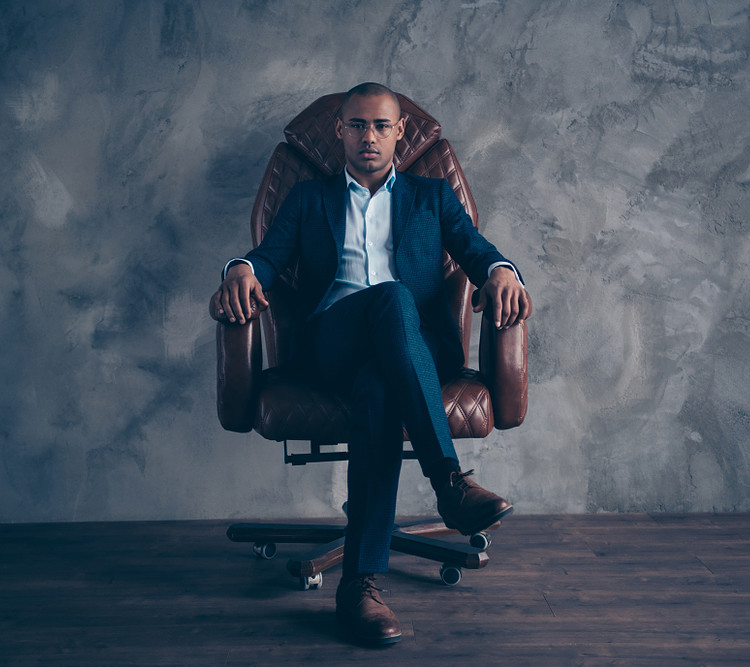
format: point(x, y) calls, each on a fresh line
point(370, 89)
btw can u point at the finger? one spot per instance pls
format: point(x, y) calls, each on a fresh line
point(216, 300)
point(246, 302)
point(236, 305)
point(481, 301)
point(226, 304)
point(260, 297)
point(501, 309)
point(524, 305)
point(513, 314)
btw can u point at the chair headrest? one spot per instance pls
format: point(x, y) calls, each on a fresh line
point(313, 132)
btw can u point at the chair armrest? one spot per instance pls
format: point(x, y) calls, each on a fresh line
point(503, 361)
point(239, 363)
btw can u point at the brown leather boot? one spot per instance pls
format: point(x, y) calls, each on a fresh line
point(467, 507)
point(361, 612)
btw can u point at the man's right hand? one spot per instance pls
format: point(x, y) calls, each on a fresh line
point(240, 297)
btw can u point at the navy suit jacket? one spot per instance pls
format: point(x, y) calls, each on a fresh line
point(426, 216)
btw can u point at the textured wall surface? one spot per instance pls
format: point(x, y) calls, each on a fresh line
point(608, 148)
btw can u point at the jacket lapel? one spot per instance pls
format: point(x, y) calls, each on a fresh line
point(334, 201)
point(401, 203)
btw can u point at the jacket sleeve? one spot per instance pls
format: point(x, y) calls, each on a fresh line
point(462, 240)
point(280, 242)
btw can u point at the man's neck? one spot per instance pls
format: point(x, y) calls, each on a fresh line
point(373, 182)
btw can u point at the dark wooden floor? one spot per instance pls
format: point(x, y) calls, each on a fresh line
point(559, 590)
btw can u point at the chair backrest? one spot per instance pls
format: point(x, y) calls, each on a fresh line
point(313, 151)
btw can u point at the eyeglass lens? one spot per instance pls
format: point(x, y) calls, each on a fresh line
point(382, 130)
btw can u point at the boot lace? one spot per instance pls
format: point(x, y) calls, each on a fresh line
point(461, 481)
point(368, 587)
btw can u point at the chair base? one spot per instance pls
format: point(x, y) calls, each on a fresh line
point(416, 539)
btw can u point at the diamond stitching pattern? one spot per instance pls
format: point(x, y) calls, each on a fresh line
point(290, 410)
point(468, 406)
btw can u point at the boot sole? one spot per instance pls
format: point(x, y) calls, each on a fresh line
point(481, 525)
point(348, 633)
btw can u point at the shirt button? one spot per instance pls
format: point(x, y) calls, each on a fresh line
point(369, 244)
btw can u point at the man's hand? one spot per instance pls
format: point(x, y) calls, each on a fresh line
point(240, 297)
point(506, 296)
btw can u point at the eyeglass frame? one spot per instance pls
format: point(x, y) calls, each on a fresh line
point(359, 133)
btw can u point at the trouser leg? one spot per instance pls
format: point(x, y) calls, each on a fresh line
point(375, 454)
point(370, 344)
point(382, 324)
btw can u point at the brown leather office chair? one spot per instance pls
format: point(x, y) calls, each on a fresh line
point(281, 407)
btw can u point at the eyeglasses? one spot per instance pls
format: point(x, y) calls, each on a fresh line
point(358, 130)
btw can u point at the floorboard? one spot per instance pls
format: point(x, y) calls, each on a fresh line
point(622, 589)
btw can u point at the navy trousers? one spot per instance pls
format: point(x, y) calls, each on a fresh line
point(372, 346)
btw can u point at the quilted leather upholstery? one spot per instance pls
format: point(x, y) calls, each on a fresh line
point(289, 409)
point(468, 405)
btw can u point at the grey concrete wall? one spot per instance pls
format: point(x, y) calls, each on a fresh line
point(608, 148)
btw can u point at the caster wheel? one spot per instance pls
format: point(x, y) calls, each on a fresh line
point(265, 551)
point(450, 574)
point(311, 583)
point(480, 540)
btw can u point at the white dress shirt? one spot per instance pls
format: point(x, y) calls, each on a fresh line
point(367, 258)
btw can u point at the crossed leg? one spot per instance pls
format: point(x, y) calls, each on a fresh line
point(371, 345)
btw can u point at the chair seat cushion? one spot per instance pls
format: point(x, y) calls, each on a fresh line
point(291, 409)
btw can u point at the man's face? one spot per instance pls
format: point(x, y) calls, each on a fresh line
point(369, 157)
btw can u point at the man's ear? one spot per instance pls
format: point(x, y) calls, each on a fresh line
point(400, 128)
point(339, 129)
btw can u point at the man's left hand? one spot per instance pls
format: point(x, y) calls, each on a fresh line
point(507, 298)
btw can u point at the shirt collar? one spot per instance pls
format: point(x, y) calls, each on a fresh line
point(351, 183)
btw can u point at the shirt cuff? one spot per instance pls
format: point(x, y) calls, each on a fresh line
point(508, 265)
point(234, 261)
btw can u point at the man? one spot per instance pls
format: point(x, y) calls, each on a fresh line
point(370, 244)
